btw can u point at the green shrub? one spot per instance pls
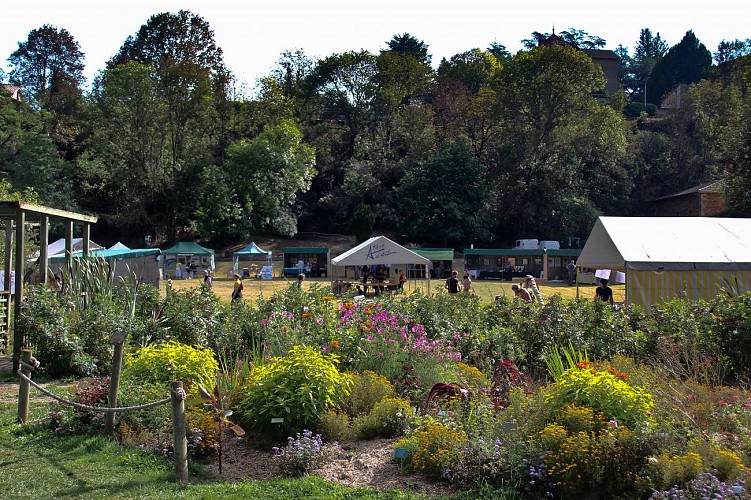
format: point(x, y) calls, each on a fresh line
point(432, 448)
point(336, 426)
point(44, 325)
point(170, 361)
point(298, 388)
point(389, 418)
point(368, 388)
point(604, 390)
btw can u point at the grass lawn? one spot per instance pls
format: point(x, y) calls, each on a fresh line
point(486, 289)
point(38, 464)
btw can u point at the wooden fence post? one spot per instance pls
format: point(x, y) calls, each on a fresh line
point(23, 387)
point(179, 440)
point(117, 340)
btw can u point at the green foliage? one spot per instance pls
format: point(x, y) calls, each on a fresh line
point(388, 418)
point(167, 362)
point(298, 388)
point(433, 448)
point(363, 223)
point(336, 426)
point(302, 454)
point(368, 388)
point(604, 390)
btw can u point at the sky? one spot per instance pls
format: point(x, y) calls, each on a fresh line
point(254, 33)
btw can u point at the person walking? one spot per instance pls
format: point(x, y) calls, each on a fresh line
point(208, 281)
point(237, 289)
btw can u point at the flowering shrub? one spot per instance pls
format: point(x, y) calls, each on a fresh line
point(389, 418)
point(336, 426)
point(67, 419)
point(169, 361)
point(298, 388)
point(433, 448)
point(605, 390)
point(479, 463)
point(705, 485)
point(302, 454)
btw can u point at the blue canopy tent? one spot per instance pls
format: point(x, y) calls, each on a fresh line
point(250, 252)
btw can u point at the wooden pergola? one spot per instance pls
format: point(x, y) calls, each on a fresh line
point(16, 214)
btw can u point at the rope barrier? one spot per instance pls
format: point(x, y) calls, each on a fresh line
point(26, 365)
point(97, 409)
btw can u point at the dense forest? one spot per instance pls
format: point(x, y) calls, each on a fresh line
point(489, 147)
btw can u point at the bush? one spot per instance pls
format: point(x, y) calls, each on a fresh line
point(368, 388)
point(170, 361)
point(302, 454)
point(433, 449)
point(71, 420)
point(389, 418)
point(336, 426)
point(298, 387)
point(604, 390)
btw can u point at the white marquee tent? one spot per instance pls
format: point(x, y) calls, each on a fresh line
point(664, 257)
point(378, 250)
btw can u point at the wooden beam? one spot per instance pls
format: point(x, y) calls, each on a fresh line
point(44, 235)
point(18, 299)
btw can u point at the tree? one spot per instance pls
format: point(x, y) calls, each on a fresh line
point(268, 172)
point(499, 51)
point(445, 216)
point(409, 45)
point(729, 51)
point(649, 50)
point(48, 56)
point(363, 222)
point(686, 62)
point(572, 36)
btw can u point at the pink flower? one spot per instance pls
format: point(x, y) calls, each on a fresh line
point(613, 424)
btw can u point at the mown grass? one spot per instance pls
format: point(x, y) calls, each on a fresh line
point(487, 290)
point(35, 463)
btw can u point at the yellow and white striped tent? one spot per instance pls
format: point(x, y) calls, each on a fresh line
point(665, 257)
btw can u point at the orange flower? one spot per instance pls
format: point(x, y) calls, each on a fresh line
point(348, 305)
point(307, 315)
point(327, 298)
point(334, 344)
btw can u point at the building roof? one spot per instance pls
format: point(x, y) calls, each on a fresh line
point(15, 91)
point(707, 187)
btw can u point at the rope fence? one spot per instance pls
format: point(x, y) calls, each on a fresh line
point(98, 409)
point(177, 397)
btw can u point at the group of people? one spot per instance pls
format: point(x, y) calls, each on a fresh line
point(188, 273)
point(453, 284)
point(378, 279)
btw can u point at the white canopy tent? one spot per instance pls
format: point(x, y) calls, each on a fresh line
point(378, 250)
point(666, 256)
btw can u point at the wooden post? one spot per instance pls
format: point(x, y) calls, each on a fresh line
point(117, 340)
point(23, 388)
point(179, 441)
point(18, 340)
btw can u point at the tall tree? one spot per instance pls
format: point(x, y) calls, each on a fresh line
point(449, 216)
point(731, 50)
point(407, 44)
point(686, 62)
point(269, 171)
point(648, 52)
point(49, 55)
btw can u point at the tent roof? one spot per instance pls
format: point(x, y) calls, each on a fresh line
point(378, 250)
point(668, 243)
point(252, 249)
point(109, 253)
point(188, 248)
point(119, 246)
point(305, 250)
point(435, 253)
point(58, 246)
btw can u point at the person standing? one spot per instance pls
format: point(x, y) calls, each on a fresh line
point(604, 292)
point(402, 280)
point(452, 284)
point(208, 281)
point(237, 290)
point(178, 271)
point(571, 269)
point(300, 279)
point(466, 282)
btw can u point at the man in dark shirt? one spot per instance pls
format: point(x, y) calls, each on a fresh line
point(604, 292)
point(452, 284)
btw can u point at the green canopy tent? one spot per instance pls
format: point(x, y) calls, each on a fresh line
point(188, 252)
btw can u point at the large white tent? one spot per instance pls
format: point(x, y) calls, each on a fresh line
point(664, 257)
point(378, 250)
